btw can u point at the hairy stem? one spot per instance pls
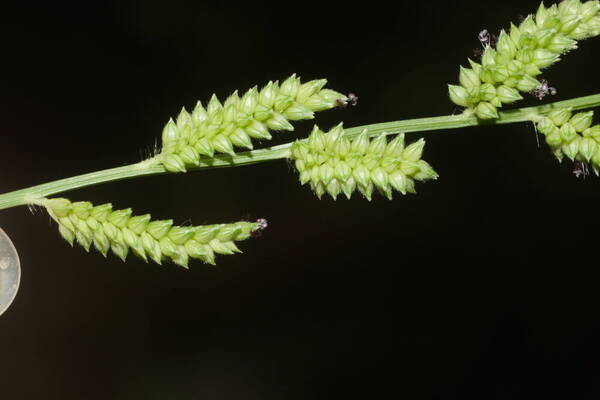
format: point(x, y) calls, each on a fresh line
point(153, 166)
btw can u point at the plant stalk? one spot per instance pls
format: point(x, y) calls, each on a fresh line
point(153, 166)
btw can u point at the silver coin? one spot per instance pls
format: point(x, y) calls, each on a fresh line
point(10, 271)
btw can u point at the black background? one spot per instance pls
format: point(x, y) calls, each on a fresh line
point(481, 286)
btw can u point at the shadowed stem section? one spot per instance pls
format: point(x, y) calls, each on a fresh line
point(154, 166)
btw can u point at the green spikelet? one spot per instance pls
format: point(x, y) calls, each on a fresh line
point(520, 55)
point(334, 164)
point(120, 232)
point(220, 127)
point(572, 135)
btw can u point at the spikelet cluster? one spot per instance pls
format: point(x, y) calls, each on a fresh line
point(220, 127)
point(520, 55)
point(159, 240)
point(572, 135)
point(334, 164)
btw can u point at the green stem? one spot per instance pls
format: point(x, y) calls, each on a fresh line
point(153, 166)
